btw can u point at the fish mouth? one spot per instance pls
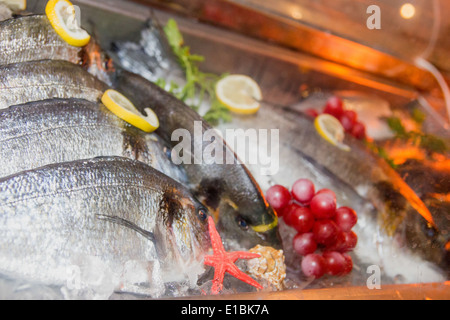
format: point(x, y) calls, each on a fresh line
point(268, 232)
point(263, 228)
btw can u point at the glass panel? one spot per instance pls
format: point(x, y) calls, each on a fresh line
point(409, 28)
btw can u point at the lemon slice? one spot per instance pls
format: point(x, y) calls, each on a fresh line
point(239, 93)
point(331, 130)
point(63, 18)
point(15, 5)
point(125, 110)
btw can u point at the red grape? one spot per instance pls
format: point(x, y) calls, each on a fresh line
point(334, 107)
point(278, 197)
point(348, 266)
point(327, 191)
point(338, 244)
point(325, 232)
point(359, 131)
point(313, 265)
point(323, 205)
point(292, 206)
point(346, 123)
point(345, 218)
point(303, 191)
point(335, 262)
point(351, 239)
point(304, 243)
point(352, 115)
point(301, 219)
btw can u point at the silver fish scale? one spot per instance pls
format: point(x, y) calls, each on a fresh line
point(52, 131)
point(33, 38)
point(51, 217)
point(40, 80)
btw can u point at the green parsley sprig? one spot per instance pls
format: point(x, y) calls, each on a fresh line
point(381, 152)
point(428, 142)
point(198, 84)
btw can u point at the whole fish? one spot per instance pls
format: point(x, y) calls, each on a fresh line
point(46, 79)
point(60, 130)
point(31, 38)
point(228, 189)
point(131, 224)
point(391, 232)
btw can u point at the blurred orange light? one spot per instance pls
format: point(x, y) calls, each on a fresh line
point(407, 11)
point(296, 13)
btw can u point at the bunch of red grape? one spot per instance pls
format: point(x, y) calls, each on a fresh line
point(348, 118)
point(324, 232)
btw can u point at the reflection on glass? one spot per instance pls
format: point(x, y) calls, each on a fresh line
point(407, 11)
point(296, 13)
point(409, 29)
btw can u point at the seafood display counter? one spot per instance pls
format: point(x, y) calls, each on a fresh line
point(333, 181)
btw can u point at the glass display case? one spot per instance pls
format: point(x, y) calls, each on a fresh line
point(387, 61)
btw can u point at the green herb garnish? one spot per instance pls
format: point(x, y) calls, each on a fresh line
point(381, 152)
point(217, 112)
point(198, 84)
point(396, 125)
point(426, 141)
point(418, 116)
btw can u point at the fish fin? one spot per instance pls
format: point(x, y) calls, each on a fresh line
point(127, 224)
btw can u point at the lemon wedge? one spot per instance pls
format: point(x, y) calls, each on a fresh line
point(63, 18)
point(239, 93)
point(331, 130)
point(15, 5)
point(125, 110)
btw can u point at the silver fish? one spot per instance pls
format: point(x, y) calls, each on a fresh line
point(60, 130)
point(46, 79)
point(31, 38)
point(116, 214)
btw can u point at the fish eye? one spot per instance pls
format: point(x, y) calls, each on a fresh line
point(202, 215)
point(429, 230)
point(242, 223)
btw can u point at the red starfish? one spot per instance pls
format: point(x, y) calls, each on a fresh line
point(223, 261)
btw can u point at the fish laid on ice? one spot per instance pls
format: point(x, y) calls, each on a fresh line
point(116, 211)
point(31, 38)
point(46, 79)
point(60, 130)
point(245, 219)
point(229, 190)
point(361, 181)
